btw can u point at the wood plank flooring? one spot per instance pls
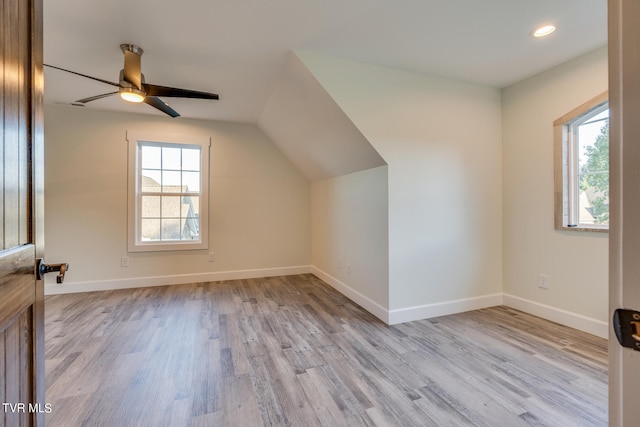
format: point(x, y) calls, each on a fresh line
point(291, 351)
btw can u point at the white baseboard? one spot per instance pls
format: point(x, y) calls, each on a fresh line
point(445, 308)
point(178, 279)
point(390, 317)
point(362, 300)
point(563, 317)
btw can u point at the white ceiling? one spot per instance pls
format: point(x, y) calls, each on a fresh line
point(239, 48)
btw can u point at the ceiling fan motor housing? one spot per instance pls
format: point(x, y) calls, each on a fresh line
point(129, 92)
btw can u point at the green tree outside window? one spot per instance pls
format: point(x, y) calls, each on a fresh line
point(594, 175)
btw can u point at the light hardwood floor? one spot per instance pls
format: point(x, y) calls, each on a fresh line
point(292, 351)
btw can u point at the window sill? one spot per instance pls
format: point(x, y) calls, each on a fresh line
point(587, 229)
point(169, 246)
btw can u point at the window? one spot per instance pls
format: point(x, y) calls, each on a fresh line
point(168, 193)
point(582, 167)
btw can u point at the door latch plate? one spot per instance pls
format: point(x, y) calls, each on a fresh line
point(626, 324)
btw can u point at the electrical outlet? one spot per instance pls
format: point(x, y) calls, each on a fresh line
point(212, 257)
point(348, 268)
point(124, 261)
point(339, 264)
point(543, 281)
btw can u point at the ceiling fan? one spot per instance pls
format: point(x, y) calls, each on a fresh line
point(133, 88)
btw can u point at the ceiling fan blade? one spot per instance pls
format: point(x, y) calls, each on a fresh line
point(93, 98)
point(155, 90)
point(161, 105)
point(84, 75)
point(132, 71)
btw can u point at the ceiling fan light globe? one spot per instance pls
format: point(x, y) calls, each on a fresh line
point(132, 94)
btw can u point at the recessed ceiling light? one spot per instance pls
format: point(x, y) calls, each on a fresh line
point(543, 31)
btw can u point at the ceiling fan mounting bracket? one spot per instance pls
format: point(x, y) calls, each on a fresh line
point(125, 47)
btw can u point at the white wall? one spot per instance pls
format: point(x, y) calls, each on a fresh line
point(350, 246)
point(259, 203)
point(441, 140)
point(576, 262)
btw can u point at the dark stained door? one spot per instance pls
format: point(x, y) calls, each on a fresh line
point(21, 214)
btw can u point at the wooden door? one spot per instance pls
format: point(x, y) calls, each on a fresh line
point(624, 235)
point(21, 214)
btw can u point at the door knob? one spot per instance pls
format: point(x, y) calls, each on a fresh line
point(42, 269)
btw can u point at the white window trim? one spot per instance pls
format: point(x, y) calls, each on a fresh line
point(134, 244)
point(562, 174)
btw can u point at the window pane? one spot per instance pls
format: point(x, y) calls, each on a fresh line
point(171, 206)
point(150, 181)
point(150, 207)
point(191, 159)
point(593, 164)
point(149, 230)
point(171, 229)
point(191, 182)
point(150, 157)
point(171, 182)
point(171, 158)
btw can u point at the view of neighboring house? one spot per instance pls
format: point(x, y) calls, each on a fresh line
point(587, 199)
point(180, 219)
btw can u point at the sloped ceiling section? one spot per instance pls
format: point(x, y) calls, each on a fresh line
point(310, 128)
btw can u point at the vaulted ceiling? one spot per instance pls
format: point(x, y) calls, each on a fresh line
point(239, 49)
